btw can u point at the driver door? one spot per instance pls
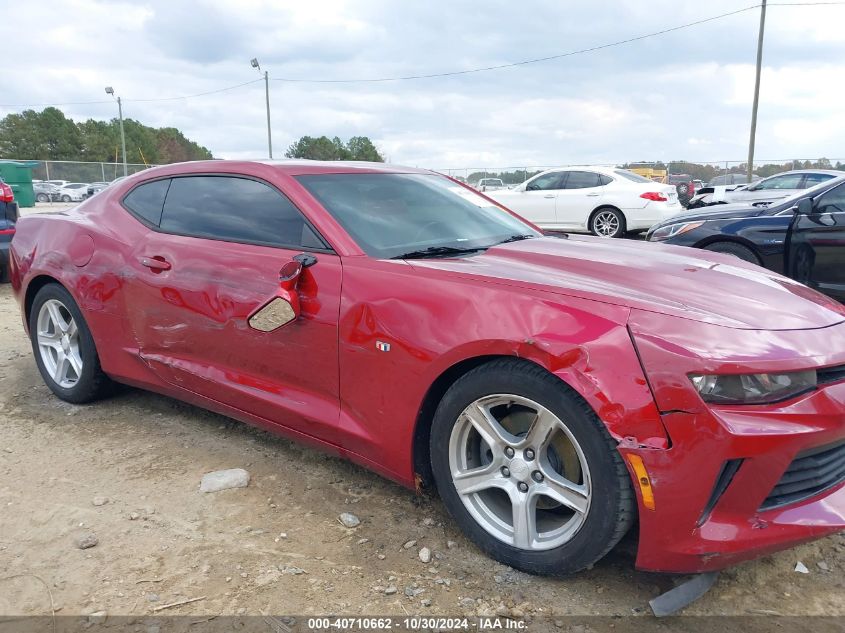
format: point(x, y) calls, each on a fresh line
point(203, 300)
point(536, 203)
point(816, 245)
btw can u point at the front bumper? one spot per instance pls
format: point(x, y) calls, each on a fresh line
point(712, 486)
point(704, 522)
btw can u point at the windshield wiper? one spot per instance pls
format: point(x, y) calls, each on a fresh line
point(516, 238)
point(437, 251)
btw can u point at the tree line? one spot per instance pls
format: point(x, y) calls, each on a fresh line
point(50, 135)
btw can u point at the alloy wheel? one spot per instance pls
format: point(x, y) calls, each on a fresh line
point(606, 224)
point(58, 343)
point(519, 472)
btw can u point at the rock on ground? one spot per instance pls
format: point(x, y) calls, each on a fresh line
point(224, 479)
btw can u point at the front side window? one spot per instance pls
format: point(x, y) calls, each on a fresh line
point(545, 182)
point(389, 215)
point(832, 202)
point(235, 209)
point(582, 180)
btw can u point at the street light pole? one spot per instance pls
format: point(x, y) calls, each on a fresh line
point(756, 91)
point(255, 64)
point(110, 91)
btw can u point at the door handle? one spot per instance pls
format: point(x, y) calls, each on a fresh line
point(549, 195)
point(156, 263)
point(592, 195)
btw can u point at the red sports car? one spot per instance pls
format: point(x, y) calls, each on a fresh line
point(555, 390)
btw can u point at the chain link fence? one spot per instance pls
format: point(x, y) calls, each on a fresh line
point(82, 171)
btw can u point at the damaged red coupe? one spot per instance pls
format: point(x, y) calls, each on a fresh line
point(556, 390)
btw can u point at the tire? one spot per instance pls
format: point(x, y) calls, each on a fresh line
point(737, 250)
point(4, 272)
point(683, 189)
point(607, 222)
point(579, 446)
point(42, 197)
point(65, 198)
point(71, 357)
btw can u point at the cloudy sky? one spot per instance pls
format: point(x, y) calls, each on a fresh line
point(682, 95)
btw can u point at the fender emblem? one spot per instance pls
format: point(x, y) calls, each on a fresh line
point(382, 346)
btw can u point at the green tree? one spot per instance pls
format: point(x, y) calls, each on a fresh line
point(324, 148)
point(48, 134)
point(362, 148)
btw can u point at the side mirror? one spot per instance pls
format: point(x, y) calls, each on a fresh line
point(804, 206)
point(284, 308)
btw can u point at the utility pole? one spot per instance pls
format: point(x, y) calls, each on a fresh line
point(756, 91)
point(255, 64)
point(110, 91)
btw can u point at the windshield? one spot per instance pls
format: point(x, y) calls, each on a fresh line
point(389, 215)
point(631, 175)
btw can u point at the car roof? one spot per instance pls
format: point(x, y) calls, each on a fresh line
point(832, 172)
point(292, 167)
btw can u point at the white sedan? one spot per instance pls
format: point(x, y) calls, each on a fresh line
point(604, 201)
point(73, 192)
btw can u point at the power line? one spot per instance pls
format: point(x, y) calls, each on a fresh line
point(198, 94)
point(524, 62)
point(536, 60)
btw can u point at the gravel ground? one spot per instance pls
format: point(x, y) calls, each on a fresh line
point(125, 473)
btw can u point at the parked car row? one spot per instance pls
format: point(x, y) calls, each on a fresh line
point(66, 191)
point(764, 191)
point(555, 390)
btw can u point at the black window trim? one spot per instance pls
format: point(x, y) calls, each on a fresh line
point(293, 247)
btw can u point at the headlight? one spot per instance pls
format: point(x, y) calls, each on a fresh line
point(753, 388)
point(665, 232)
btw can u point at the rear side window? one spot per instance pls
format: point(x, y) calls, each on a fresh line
point(811, 180)
point(605, 180)
point(146, 201)
point(582, 180)
point(235, 210)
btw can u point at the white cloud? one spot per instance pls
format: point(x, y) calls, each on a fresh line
point(683, 95)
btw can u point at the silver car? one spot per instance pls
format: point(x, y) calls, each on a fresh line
point(765, 191)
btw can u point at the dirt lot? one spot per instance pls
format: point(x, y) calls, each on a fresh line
point(277, 546)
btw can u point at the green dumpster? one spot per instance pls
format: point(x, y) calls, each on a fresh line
point(18, 175)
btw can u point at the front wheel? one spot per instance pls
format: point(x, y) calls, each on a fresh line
point(64, 348)
point(607, 222)
point(65, 198)
point(42, 197)
point(528, 471)
point(732, 248)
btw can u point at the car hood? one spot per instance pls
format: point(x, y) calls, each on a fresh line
point(677, 281)
point(717, 212)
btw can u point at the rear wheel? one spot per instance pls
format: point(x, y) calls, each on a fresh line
point(65, 198)
point(42, 197)
point(64, 348)
point(732, 248)
point(528, 471)
point(607, 222)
